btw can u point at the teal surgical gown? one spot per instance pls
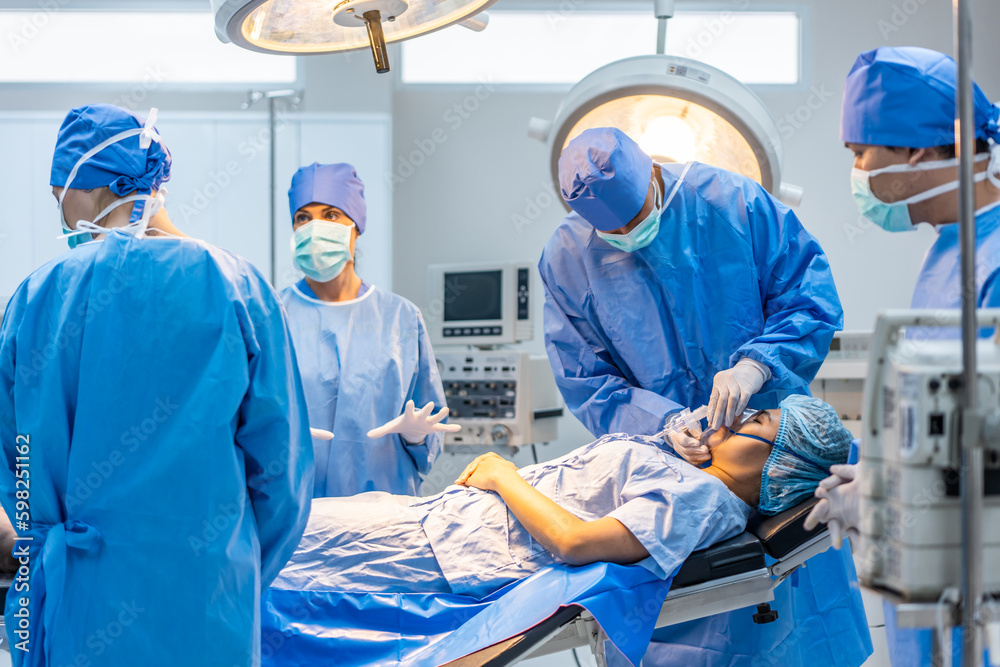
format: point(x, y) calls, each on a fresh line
point(156, 452)
point(361, 361)
point(632, 336)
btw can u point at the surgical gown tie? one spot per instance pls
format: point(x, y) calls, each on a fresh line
point(50, 545)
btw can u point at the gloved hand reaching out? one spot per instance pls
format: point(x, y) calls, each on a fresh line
point(839, 508)
point(415, 425)
point(732, 389)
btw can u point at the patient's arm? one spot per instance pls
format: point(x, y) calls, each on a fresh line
point(569, 537)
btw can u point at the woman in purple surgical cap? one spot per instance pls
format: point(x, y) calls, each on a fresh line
point(363, 352)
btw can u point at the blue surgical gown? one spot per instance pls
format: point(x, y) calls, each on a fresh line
point(465, 540)
point(361, 361)
point(633, 336)
point(939, 286)
point(732, 273)
point(153, 427)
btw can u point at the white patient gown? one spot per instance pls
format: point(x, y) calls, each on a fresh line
point(465, 541)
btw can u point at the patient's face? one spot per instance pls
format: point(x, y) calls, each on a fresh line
point(743, 458)
point(763, 424)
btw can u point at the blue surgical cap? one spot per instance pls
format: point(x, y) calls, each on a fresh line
point(810, 439)
point(604, 176)
point(123, 166)
point(331, 184)
point(905, 97)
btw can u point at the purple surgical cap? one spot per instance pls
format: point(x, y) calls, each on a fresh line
point(331, 184)
point(905, 97)
point(604, 176)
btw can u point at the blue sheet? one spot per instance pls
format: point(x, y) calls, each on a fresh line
point(308, 628)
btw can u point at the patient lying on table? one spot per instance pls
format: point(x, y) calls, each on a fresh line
point(622, 499)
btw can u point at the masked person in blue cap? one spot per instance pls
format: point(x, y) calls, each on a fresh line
point(675, 285)
point(899, 121)
point(152, 424)
point(364, 354)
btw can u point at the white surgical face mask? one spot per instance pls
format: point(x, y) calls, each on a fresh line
point(895, 216)
point(322, 249)
point(644, 233)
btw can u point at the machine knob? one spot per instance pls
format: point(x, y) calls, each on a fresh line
point(765, 614)
point(500, 434)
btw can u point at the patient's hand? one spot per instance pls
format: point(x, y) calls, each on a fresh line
point(484, 472)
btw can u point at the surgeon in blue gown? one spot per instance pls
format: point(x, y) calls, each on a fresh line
point(674, 285)
point(152, 422)
point(899, 121)
point(363, 352)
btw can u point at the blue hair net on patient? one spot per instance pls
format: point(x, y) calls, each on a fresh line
point(813, 431)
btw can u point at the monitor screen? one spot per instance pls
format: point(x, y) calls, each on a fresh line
point(473, 295)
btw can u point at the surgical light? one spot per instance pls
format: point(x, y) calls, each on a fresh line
point(302, 27)
point(677, 110)
point(668, 139)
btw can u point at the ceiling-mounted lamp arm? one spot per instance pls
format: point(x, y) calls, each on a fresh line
point(663, 10)
point(373, 22)
point(476, 23)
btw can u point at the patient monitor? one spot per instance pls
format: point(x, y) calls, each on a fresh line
point(911, 532)
point(502, 397)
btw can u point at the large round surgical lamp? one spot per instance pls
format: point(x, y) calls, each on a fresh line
point(677, 110)
point(301, 27)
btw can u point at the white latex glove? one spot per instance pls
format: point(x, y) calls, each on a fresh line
point(839, 508)
point(731, 391)
point(690, 448)
point(321, 434)
point(415, 425)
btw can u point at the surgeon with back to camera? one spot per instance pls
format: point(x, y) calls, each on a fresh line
point(158, 462)
point(899, 121)
point(674, 285)
point(364, 354)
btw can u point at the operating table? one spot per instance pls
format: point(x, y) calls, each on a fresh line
point(727, 576)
